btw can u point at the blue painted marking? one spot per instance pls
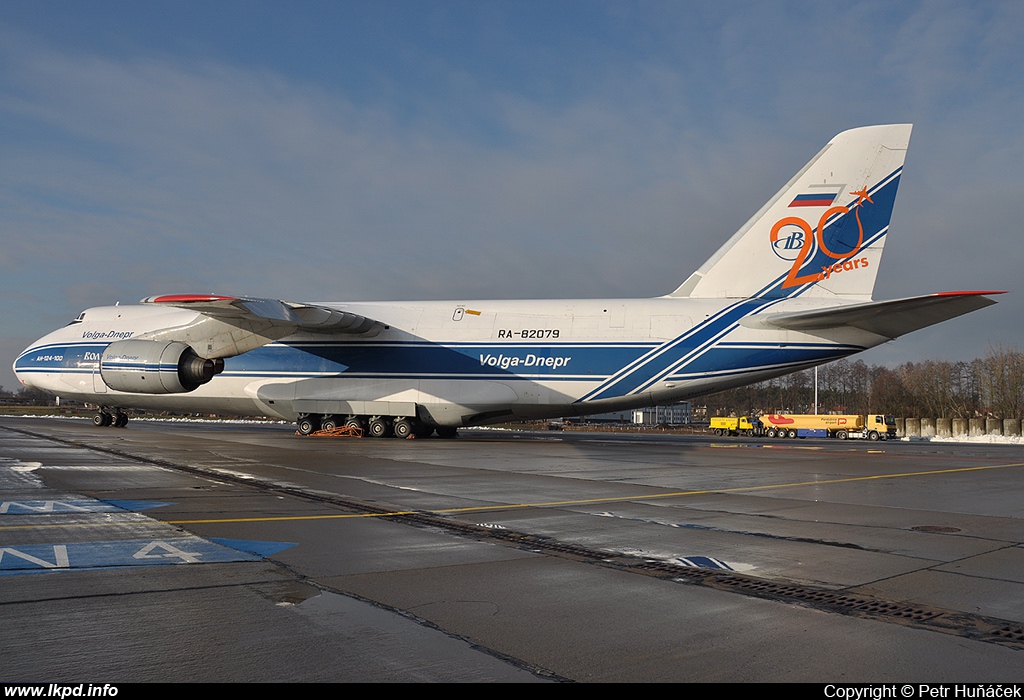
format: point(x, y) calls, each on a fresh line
point(48, 507)
point(136, 506)
point(36, 558)
point(703, 563)
point(257, 547)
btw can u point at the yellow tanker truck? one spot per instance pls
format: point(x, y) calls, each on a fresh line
point(732, 426)
point(872, 427)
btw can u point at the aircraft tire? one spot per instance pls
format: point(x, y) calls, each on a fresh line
point(406, 427)
point(102, 419)
point(306, 425)
point(120, 420)
point(403, 428)
point(356, 422)
point(378, 427)
point(329, 423)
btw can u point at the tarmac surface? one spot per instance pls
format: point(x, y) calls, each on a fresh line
point(229, 552)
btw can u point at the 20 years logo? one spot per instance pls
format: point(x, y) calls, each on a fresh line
point(792, 238)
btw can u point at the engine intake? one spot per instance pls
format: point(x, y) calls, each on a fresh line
point(155, 367)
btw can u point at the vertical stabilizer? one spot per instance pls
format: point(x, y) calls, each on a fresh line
point(820, 235)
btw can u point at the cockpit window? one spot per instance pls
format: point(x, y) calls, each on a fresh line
point(81, 317)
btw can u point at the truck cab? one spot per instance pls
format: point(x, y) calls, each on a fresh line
point(885, 426)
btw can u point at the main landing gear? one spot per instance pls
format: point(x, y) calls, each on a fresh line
point(374, 426)
point(104, 419)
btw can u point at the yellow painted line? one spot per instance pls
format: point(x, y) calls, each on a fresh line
point(549, 504)
point(610, 499)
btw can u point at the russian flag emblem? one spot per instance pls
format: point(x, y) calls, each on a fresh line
point(814, 199)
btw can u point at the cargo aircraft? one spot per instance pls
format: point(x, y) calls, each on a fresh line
point(791, 289)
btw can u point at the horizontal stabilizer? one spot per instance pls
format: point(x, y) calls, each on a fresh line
point(890, 319)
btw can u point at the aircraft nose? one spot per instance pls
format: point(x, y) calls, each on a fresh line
point(21, 365)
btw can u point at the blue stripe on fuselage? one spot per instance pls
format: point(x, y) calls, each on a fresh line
point(422, 358)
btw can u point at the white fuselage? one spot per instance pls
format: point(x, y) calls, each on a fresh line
point(464, 363)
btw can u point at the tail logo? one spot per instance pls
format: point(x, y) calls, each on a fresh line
point(788, 240)
point(792, 238)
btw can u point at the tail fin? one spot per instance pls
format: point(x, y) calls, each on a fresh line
point(822, 234)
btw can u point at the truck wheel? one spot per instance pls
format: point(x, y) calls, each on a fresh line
point(771, 432)
point(841, 434)
point(792, 435)
point(873, 435)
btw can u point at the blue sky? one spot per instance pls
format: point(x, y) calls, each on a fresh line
point(458, 150)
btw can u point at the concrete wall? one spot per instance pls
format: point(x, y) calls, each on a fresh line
point(957, 427)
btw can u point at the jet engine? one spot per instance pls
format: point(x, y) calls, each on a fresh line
point(155, 367)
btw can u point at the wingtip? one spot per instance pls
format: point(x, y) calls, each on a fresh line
point(970, 293)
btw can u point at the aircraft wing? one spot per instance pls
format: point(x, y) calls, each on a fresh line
point(887, 318)
point(229, 326)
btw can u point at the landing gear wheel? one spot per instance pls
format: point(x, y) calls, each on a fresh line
point(356, 423)
point(102, 419)
point(329, 423)
point(403, 428)
point(306, 425)
point(120, 420)
point(379, 427)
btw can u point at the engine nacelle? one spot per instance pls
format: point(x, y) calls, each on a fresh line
point(155, 367)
